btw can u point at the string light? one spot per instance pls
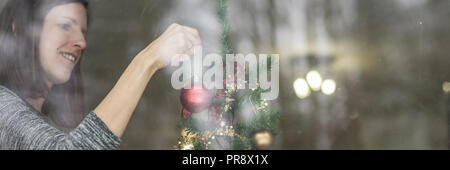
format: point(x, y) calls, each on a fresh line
point(188, 147)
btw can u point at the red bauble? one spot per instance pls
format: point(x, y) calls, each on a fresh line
point(185, 113)
point(196, 99)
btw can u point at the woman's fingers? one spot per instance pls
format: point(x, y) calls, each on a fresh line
point(173, 28)
point(176, 40)
point(192, 41)
point(188, 39)
point(194, 35)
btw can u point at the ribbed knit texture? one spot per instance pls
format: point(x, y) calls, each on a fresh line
point(23, 128)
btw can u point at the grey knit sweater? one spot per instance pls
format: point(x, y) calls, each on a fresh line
point(22, 127)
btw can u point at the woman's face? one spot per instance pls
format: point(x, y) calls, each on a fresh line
point(62, 40)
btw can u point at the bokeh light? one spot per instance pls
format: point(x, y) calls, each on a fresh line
point(314, 80)
point(446, 87)
point(328, 87)
point(301, 88)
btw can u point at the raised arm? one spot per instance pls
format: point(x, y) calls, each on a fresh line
point(117, 107)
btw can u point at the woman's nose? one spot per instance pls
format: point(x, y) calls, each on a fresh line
point(80, 42)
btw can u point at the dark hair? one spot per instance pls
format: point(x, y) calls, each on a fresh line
point(20, 70)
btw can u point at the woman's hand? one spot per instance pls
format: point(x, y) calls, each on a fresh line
point(177, 39)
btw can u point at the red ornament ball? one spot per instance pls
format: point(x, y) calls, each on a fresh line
point(185, 113)
point(196, 99)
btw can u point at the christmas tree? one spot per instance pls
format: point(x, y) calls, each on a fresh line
point(227, 118)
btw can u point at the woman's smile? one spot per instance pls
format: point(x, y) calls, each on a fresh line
point(69, 56)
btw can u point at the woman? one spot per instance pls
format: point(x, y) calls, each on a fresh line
point(41, 87)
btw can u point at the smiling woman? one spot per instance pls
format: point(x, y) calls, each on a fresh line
point(41, 87)
point(62, 41)
point(35, 37)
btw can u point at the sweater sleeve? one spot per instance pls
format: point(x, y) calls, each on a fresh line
point(21, 128)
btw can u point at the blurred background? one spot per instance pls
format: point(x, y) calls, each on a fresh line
point(387, 62)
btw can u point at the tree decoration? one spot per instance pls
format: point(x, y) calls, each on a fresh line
point(196, 99)
point(262, 139)
point(225, 128)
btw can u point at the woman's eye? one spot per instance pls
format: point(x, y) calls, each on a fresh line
point(65, 26)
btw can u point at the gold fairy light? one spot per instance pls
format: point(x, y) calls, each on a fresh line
point(189, 135)
point(188, 147)
point(185, 143)
point(222, 123)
